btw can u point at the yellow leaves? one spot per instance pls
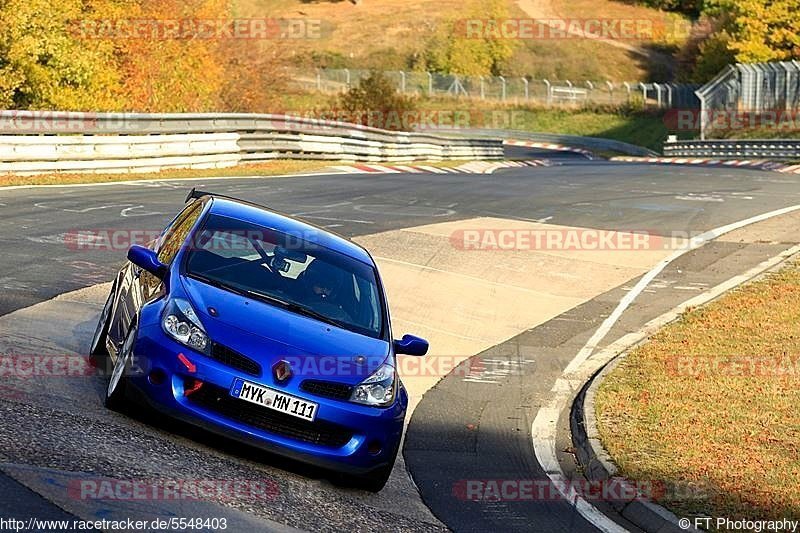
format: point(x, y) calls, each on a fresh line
point(451, 50)
point(761, 31)
point(49, 60)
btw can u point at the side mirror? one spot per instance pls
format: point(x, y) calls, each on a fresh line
point(411, 345)
point(147, 259)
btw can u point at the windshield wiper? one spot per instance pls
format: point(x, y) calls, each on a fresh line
point(218, 284)
point(296, 308)
point(290, 306)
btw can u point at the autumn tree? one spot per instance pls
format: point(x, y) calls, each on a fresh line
point(375, 102)
point(453, 49)
point(44, 64)
point(758, 30)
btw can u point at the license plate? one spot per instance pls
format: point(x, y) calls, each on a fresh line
point(273, 399)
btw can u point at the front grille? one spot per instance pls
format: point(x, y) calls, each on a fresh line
point(218, 400)
point(232, 358)
point(327, 389)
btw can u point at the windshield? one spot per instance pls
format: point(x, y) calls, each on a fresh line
point(283, 270)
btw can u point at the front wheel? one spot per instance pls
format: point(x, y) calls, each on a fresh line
point(98, 346)
point(117, 382)
point(375, 480)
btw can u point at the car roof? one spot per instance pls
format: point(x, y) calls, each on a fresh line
point(256, 214)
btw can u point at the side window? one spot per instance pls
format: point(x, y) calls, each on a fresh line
point(177, 233)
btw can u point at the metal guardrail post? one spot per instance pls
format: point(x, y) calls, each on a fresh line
point(483, 89)
point(430, 83)
point(610, 91)
point(703, 111)
point(503, 89)
point(347, 78)
point(644, 93)
point(319, 80)
point(402, 81)
point(549, 92)
point(628, 88)
point(527, 91)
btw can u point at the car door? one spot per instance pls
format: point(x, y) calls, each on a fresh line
point(138, 287)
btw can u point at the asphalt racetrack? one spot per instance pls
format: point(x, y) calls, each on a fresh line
point(515, 318)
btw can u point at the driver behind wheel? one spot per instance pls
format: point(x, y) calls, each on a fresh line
point(326, 288)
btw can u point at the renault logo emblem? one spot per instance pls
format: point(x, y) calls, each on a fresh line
point(282, 371)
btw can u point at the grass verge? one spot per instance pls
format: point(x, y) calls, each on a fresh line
point(270, 168)
point(392, 34)
point(711, 401)
point(623, 123)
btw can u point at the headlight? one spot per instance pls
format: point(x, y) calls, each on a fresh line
point(378, 389)
point(181, 323)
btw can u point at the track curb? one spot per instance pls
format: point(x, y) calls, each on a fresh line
point(597, 464)
point(471, 167)
point(758, 164)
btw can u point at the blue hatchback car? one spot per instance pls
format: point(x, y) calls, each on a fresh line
point(264, 329)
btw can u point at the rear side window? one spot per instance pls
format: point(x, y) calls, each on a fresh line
point(176, 234)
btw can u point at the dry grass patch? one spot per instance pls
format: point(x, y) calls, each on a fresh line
point(267, 169)
point(254, 169)
point(712, 399)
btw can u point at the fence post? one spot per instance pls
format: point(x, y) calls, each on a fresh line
point(319, 80)
point(527, 92)
point(786, 102)
point(549, 93)
point(590, 85)
point(503, 81)
point(658, 95)
point(347, 77)
point(402, 82)
point(483, 89)
point(703, 108)
point(628, 87)
point(430, 83)
point(644, 93)
point(610, 91)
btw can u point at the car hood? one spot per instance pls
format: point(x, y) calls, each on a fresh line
point(269, 334)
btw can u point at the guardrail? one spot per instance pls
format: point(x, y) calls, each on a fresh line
point(589, 143)
point(775, 149)
point(35, 142)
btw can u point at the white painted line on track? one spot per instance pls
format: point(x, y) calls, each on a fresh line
point(544, 427)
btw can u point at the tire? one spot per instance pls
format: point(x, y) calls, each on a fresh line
point(98, 346)
point(117, 382)
point(375, 480)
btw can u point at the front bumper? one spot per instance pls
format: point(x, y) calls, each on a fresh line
point(370, 435)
